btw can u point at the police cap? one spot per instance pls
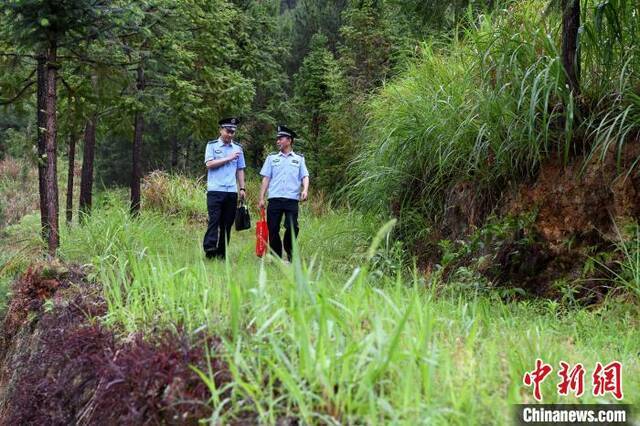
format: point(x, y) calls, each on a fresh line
point(230, 123)
point(285, 131)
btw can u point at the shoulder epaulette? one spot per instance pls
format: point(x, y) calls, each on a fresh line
point(273, 153)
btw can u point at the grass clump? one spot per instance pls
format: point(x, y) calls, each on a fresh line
point(18, 190)
point(174, 195)
point(627, 273)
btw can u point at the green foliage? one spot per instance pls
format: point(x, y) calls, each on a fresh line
point(487, 108)
point(316, 340)
point(611, 37)
point(16, 133)
point(423, 17)
point(315, 97)
point(628, 247)
point(330, 89)
point(306, 19)
point(40, 22)
point(367, 43)
point(174, 195)
point(21, 247)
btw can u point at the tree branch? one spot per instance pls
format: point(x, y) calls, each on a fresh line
point(20, 93)
point(18, 55)
point(66, 85)
point(81, 58)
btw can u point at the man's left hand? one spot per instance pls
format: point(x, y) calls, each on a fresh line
point(243, 194)
point(303, 196)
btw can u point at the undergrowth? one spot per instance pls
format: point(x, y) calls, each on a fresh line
point(345, 334)
point(490, 106)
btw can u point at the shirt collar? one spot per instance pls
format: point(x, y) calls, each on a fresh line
point(282, 154)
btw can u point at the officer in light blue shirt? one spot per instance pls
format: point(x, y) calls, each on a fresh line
point(225, 177)
point(286, 178)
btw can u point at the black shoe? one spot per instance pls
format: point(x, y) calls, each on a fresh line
point(210, 254)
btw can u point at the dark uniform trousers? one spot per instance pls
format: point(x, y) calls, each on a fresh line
point(277, 208)
point(222, 212)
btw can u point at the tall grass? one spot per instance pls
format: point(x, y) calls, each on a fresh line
point(174, 195)
point(18, 190)
point(490, 106)
point(326, 340)
point(19, 242)
point(627, 274)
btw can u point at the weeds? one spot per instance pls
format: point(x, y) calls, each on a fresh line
point(340, 338)
point(628, 246)
point(489, 107)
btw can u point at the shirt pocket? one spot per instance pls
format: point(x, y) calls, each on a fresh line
point(294, 164)
point(218, 154)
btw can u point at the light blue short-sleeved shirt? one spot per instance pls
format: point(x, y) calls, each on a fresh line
point(285, 172)
point(223, 178)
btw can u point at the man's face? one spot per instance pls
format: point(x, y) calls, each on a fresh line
point(227, 134)
point(283, 142)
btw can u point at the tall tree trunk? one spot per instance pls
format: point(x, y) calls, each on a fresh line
point(70, 175)
point(86, 176)
point(137, 148)
point(88, 154)
point(174, 151)
point(41, 122)
point(570, 51)
point(51, 150)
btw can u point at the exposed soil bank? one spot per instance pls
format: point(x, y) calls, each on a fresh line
point(576, 210)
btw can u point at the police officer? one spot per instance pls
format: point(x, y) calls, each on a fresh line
point(225, 177)
point(283, 173)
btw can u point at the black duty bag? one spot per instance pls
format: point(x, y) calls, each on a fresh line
point(243, 221)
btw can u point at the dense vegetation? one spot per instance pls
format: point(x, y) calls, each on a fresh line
point(491, 105)
point(400, 308)
point(347, 337)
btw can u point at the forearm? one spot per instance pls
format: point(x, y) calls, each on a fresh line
point(305, 183)
point(214, 164)
point(263, 187)
point(240, 178)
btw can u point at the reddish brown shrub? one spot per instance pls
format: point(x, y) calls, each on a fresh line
point(62, 367)
point(29, 292)
point(151, 382)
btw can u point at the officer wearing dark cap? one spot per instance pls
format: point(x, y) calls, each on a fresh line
point(283, 175)
point(225, 177)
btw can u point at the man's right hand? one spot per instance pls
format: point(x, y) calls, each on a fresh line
point(233, 156)
point(261, 203)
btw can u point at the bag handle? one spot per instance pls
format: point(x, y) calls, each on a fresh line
point(262, 214)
